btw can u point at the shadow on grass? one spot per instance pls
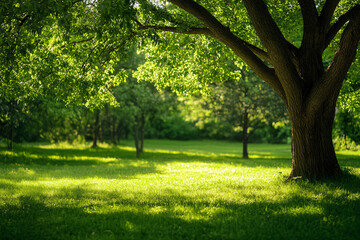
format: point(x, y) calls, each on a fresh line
point(82, 212)
point(100, 156)
point(175, 216)
point(349, 160)
point(108, 163)
point(348, 181)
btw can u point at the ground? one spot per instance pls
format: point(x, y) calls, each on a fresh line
point(176, 190)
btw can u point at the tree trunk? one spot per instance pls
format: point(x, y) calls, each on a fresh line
point(118, 132)
point(11, 137)
point(113, 131)
point(96, 129)
point(313, 154)
point(136, 139)
point(245, 154)
point(142, 133)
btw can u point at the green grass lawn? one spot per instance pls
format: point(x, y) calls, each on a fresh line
point(176, 190)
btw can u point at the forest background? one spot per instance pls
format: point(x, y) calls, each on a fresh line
point(233, 110)
point(60, 83)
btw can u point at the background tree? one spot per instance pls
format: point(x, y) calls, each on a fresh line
point(11, 116)
point(96, 128)
point(245, 103)
point(140, 102)
point(347, 127)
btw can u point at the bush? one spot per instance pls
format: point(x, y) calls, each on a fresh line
point(342, 143)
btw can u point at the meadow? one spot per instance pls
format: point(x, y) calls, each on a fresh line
point(175, 190)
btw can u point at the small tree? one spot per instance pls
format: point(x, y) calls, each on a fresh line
point(244, 103)
point(139, 101)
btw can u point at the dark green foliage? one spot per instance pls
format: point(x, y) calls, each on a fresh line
point(347, 125)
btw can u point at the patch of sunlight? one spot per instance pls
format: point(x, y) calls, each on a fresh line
point(304, 210)
point(8, 153)
point(349, 153)
point(51, 186)
point(230, 155)
point(64, 157)
point(80, 158)
point(263, 155)
point(187, 153)
point(22, 172)
point(66, 145)
point(130, 226)
point(24, 154)
point(139, 163)
point(127, 148)
point(157, 209)
point(354, 197)
point(189, 213)
point(6, 181)
point(197, 213)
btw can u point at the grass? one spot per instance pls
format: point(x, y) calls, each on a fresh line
point(176, 190)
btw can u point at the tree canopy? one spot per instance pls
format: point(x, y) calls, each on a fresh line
point(303, 49)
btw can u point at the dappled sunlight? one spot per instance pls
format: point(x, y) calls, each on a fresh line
point(109, 192)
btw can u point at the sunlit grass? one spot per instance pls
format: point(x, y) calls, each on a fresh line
point(176, 190)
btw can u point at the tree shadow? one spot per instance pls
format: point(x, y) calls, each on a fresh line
point(349, 160)
point(82, 212)
point(173, 215)
point(99, 156)
point(348, 181)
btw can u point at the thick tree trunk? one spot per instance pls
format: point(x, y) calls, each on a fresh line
point(245, 134)
point(313, 154)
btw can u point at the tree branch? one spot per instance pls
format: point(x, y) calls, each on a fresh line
point(24, 20)
point(310, 22)
point(122, 44)
point(192, 30)
point(281, 55)
point(205, 31)
point(343, 19)
point(241, 48)
point(76, 42)
point(332, 80)
point(327, 13)
point(308, 11)
point(258, 52)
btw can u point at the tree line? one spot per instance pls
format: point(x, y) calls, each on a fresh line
point(233, 110)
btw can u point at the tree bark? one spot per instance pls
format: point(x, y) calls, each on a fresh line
point(313, 154)
point(245, 154)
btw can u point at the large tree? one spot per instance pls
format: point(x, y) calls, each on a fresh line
point(295, 71)
point(261, 33)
